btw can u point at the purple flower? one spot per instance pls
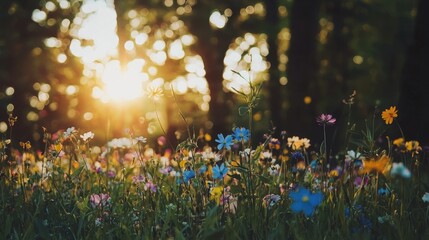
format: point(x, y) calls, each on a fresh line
point(150, 186)
point(359, 181)
point(224, 142)
point(305, 201)
point(271, 199)
point(326, 119)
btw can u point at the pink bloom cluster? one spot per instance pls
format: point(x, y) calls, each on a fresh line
point(101, 200)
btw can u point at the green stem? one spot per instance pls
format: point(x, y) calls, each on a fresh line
point(400, 129)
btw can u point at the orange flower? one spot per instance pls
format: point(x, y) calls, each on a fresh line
point(372, 165)
point(389, 114)
point(398, 142)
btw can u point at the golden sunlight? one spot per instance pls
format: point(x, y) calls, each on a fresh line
point(122, 84)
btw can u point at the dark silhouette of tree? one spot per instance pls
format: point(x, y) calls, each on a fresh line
point(275, 88)
point(414, 103)
point(302, 69)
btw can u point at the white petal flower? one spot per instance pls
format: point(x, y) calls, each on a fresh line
point(425, 197)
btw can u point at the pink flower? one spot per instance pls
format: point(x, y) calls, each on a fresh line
point(99, 200)
point(326, 119)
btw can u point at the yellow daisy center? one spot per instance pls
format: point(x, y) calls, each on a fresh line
point(305, 198)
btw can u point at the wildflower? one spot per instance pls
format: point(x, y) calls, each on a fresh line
point(120, 143)
point(207, 137)
point(87, 136)
point(305, 201)
point(326, 119)
point(219, 172)
point(188, 174)
point(297, 156)
point(69, 132)
point(274, 144)
point(334, 173)
point(398, 142)
point(296, 143)
point(202, 169)
point(161, 141)
point(361, 181)
point(291, 142)
point(166, 170)
point(140, 139)
point(305, 142)
point(270, 200)
point(274, 170)
point(154, 92)
point(12, 119)
point(383, 192)
point(389, 114)
point(353, 155)
point(375, 165)
point(425, 197)
point(138, 179)
point(224, 142)
point(398, 169)
point(150, 186)
point(241, 134)
point(413, 146)
point(25, 145)
point(99, 200)
point(216, 193)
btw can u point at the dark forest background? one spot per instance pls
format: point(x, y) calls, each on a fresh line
point(319, 52)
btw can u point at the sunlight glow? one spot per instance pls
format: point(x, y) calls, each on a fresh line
point(218, 20)
point(119, 84)
point(247, 53)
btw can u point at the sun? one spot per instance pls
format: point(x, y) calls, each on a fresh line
point(122, 84)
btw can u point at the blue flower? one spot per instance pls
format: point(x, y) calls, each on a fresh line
point(297, 156)
point(305, 201)
point(219, 172)
point(224, 142)
point(398, 169)
point(241, 134)
point(203, 169)
point(188, 174)
point(383, 192)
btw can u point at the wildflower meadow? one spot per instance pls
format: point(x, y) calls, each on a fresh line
point(221, 186)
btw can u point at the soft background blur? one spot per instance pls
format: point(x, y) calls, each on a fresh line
point(89, 64)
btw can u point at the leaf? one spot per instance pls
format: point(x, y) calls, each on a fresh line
point(235, 176)
point(77, 172)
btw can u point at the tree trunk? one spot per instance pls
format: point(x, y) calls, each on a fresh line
point(274, 86)
point(302, 67)
point(414, 103)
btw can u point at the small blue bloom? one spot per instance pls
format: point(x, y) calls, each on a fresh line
point(383, 192)
point(398, 169)
point(297, 156)
point(305, 201)
point(188, 174)
point(203, 169)
point(241, 134)
point(313, 164)
point(219, 172)
point(224, 142)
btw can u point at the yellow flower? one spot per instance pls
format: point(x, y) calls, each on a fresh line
point(373, 165)
point(398, 142)
point(413, 146)
point(216, 193)
point(389, 114)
